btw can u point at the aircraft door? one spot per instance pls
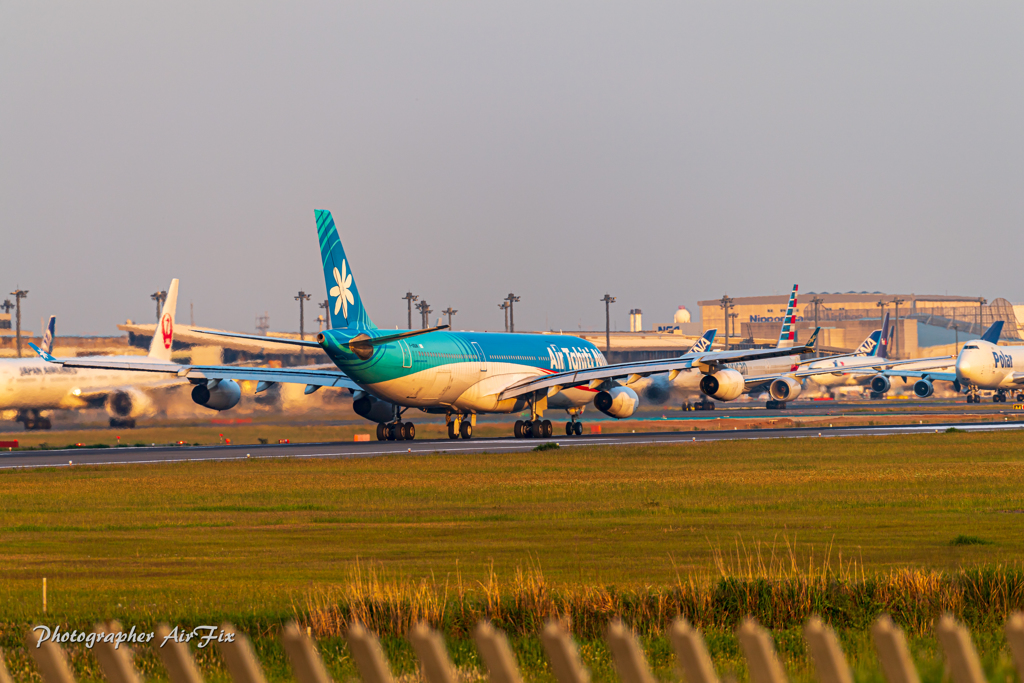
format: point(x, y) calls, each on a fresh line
point(478, 350)
point(406, 353)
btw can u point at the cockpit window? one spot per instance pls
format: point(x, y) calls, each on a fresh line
point(971, 346)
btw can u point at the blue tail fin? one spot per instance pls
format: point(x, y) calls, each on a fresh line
point(992, 334)
point(51, 332)
point(869, 347)
point(345, 305)
point(704, 343)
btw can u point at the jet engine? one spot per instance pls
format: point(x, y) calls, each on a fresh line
point(923, 388)
point(372, 408)
point(880, 384)
point(217, 394)
point(127, 403)
point(725, 385)
point(784, 389)
point(617, 402)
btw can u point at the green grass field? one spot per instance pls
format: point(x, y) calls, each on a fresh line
point(611, 528)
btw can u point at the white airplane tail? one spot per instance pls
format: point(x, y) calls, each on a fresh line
point(163, 335)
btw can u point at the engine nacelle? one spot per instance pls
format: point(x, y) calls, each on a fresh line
point(725, 385)
point(217, 394)
point(880, 384)
point(617, 402)
point(128, 403)
point(784, 389)
point(923, 388)
point(372, 408)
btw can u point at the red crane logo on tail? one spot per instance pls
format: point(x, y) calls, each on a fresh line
point(167, 329)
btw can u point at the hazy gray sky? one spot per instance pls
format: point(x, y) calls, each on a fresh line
point(662, 152)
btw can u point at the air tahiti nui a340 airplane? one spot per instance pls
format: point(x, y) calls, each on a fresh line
point(457, 374)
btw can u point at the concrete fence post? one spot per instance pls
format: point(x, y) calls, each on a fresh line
point(497, 655)
point(368, 655)
point(893, 654)
point(306, 663)
point(50, 660)
point(563, 656)
point(1015, 637)
point(695, 665)
point(826, 653)
point(240, 658)
point(116, 662)
point(5, 676)
point(759, 652)
point(964, 666)
point(628, 657)
point(430, 650)
point(181, 668)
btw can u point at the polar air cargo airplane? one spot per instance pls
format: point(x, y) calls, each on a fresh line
point(29, 386)
point(981, 365)
point(457, 374)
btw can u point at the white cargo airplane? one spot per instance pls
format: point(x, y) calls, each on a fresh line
point(31, 385)
point(457, 374)
point(981, 365)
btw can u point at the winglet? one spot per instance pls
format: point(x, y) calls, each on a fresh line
point(43, 354)
point(992, 334)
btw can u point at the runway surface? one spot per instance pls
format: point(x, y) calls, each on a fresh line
point(163, 454)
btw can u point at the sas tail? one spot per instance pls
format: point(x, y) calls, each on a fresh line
point(163, 334)
point(787, 335)
point(704, 343)
point(51, 332)
point(345, 306)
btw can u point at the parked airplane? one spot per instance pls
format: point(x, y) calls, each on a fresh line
point(981, 365)
point(31, 385)
point(875, 347)
point(457, 374)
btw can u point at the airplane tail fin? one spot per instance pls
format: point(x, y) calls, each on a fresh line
point(163, 334)
point(883, 343)
point(344, 304)
point(869, 347)
point(813, 339)
point(786, 336)
point(704, 343)
point(992, 334)
point(51, 332)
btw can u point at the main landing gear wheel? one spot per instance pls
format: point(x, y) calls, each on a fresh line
point(1020, 398)
point(569, 429)
point(577, 428)
point(466, 429)
point(453, 432)
point(408, 431)
point(382, 431)
point(517, 430)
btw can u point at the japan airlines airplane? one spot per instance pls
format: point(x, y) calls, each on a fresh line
point(30, 386)
point(981, 365)
point(457, 374)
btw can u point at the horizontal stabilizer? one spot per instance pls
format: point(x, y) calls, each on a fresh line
point(256, 337)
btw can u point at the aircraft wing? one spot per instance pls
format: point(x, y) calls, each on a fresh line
point(316, 376)
point(884, 366)
point(594, 377)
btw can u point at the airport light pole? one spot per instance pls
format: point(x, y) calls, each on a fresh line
point(18, 295)
point(511, 299)
point(896, 302)
point(956, 332)
point(725, 303)
point(424, 308)
point(449, 312)
point(817, 301)
point(732, 322)
point(410, 297)
point(608, 301)
point(302, 298)
point(326, 305)
point(981, 302)
point(504, 306)
point(159, 297)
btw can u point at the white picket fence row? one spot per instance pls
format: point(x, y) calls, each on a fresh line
point(693, 659)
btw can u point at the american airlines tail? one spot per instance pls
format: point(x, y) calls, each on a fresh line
point(163, 334)
point(786, 336)
point(51, 332)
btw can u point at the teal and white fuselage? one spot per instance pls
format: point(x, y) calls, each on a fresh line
point(463, 371)
point(442, 371)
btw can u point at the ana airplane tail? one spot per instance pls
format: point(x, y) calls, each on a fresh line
point(704, 343)
point(869, 347)
point(51, 332)
point(345, 306)
point(163, 334)
point(787, 335)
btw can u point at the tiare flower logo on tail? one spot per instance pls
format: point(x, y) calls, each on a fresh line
point(341, 290)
